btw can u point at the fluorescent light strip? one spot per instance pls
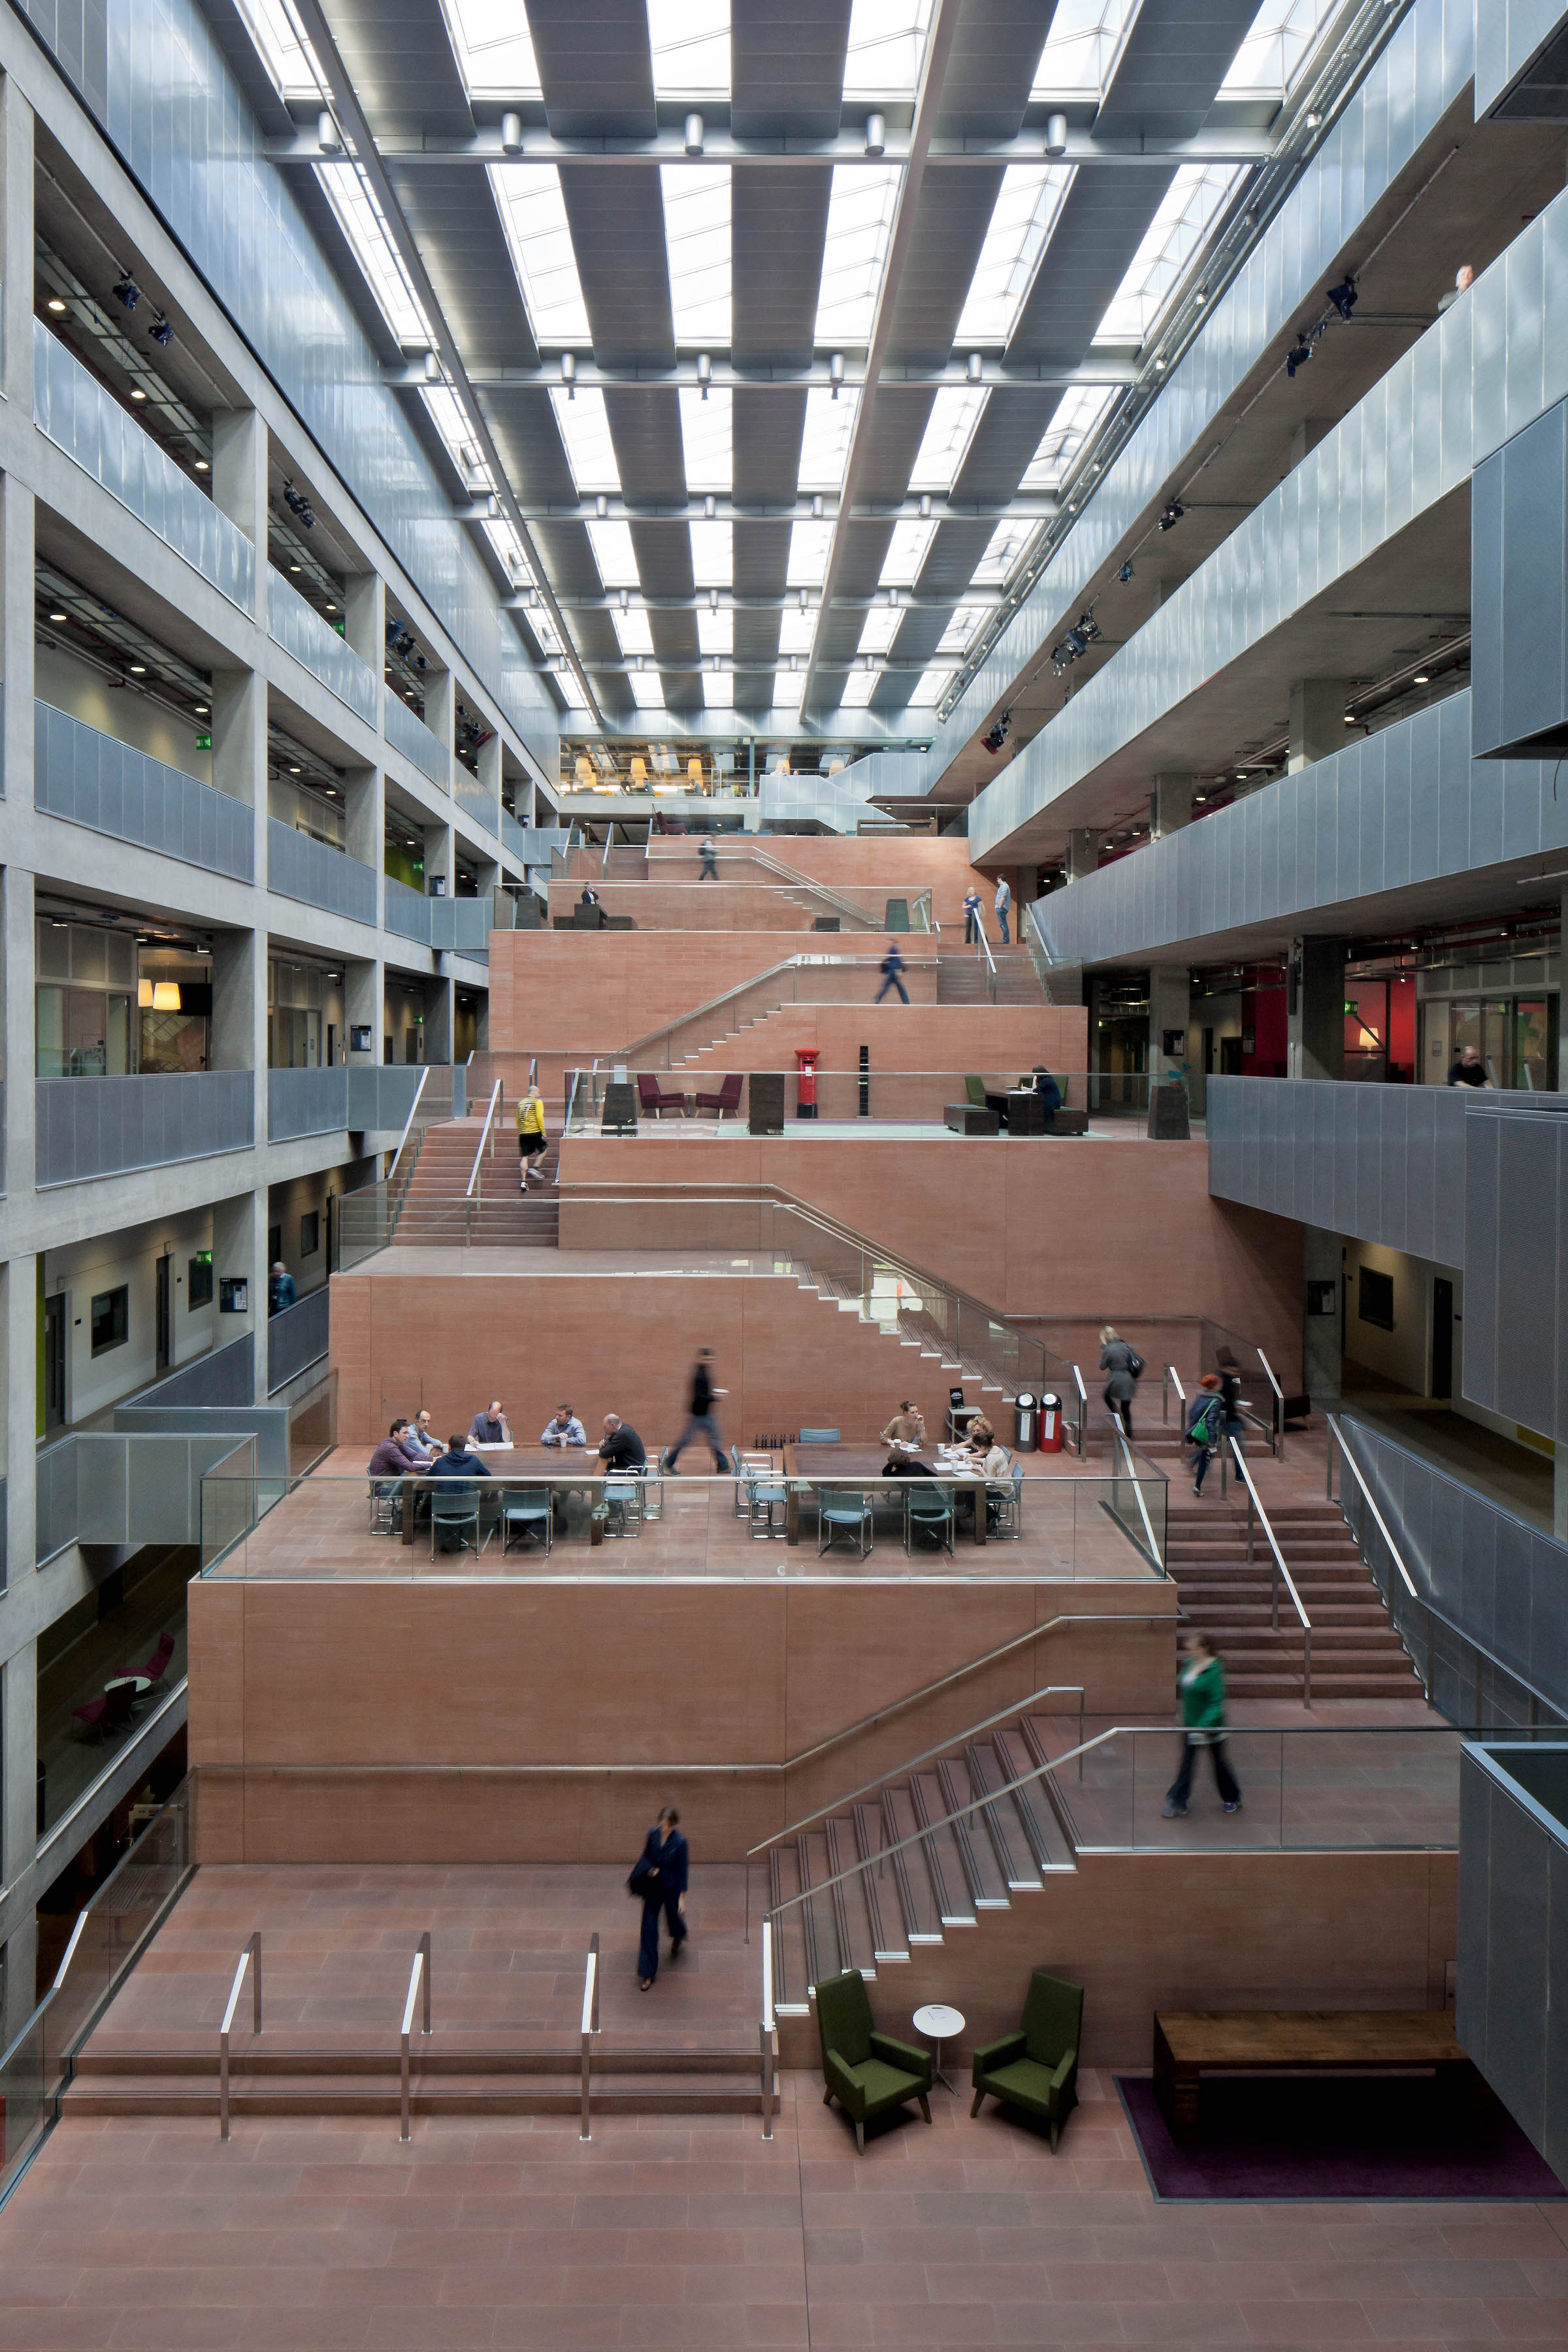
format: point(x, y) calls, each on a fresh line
point(533, 213)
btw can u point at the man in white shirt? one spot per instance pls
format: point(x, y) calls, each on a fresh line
point(1004, 902)
point(565, 1430)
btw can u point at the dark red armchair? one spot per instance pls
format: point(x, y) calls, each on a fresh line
point(727, 1098)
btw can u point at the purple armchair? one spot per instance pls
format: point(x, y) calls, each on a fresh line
point(653, 1098)
point(727, 1098)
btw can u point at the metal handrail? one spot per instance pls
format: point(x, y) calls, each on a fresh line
point(1337, 1438)
point(1170, 1379)
point(767, 2033)
point(408, 1122)
point(790, 963)
point(1278, 1444)
point(589, 2028)
point(249, 1958)
point(1137, 1490)
point(419, 1982)
point(1255, 1503)
point(484, 1139)
point(1082, 1408)
point(985, 959)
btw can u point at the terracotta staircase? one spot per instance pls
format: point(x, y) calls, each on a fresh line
point(962, 977)
point(434, 1209)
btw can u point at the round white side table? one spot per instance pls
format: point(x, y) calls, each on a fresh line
point(942, 2024)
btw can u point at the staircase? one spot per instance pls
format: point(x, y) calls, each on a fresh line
point(434, 1209)
point(1356, 1654)
point(962, 977)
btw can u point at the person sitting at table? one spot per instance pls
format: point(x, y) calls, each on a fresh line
point(564, 1429)
point(492, 1428)
point(992, 1460)
point(1046, 1087)
point(621, 1448)
point(457, 1462)
point(418, 1440)
point(392, 1458)
point(908, 1426)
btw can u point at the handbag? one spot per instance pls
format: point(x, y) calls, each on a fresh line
point(643, 1883)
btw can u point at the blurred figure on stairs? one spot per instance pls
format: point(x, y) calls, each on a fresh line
point(1202, 1685)
point(1205, 1425)
point(1121, 1364)
point(530, 1137)
point(708, 858)
point(660, 1879)
point(701, 1416)
point(892, 974)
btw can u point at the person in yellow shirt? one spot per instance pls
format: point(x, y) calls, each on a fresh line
point(530, 1136)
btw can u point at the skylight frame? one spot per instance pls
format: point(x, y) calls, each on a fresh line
point(1023, 220)
point(824, 439)
point(885, 47)
point(697, 209)
point(1278, 45)
point(906, 551)
point(614, 553)
point(1082, 47)
point(348, 191)
point(1082, 410)
point(584, 424)
point(279, 41)
point(690, 44)
point(1172, 247)
point(708, 439)
point(954, 420)
point(860, 211)
point(533, 211)
point(480, 52)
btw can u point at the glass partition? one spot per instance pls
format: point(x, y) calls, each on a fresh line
point(965, 1102)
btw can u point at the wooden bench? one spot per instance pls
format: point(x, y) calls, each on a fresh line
point(1190, 2043)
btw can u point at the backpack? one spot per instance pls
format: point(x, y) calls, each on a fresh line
point(1205, 1426)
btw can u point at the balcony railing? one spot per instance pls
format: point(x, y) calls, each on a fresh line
point(458, 926)
point(417, 742)
point(104, 1127)
point(94, 780)
point(476, 800)
point(306, 1102)
point(81, 418)
point(316, 646)
point(296, 1339)
point(298, 867)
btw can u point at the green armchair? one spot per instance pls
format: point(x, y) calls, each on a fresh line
point(865, 2071)
point(1036, 2068)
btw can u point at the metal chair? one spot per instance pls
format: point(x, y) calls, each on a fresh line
point(841, 1512)
point(453, 1508)
point(385, 1505)
point(1005, 1507)
point(819, 1437)
point(525, 1512)
point(929, 1505)
point(762, 1495)
point(623, 1507)
point(651, 1497)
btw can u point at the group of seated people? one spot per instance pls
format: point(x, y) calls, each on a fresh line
point(979, 1441)
point(409, 1449)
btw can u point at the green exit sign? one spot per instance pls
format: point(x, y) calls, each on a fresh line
point(204, 742)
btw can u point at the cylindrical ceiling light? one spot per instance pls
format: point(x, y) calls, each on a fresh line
point(704, 372)
point(694, 128)
point(836, 372)
point(569, 373)
point(973, 367)
point(601, 506)
point(816, 508)
point(709, 506)
point(1056, 134)
point(511, 134)
point(925, 506)
point(329, 138)
point(876, 133)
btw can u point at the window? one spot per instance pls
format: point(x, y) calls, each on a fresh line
point(310, 1234)
point(110, 1319)
point(199, 1281)
point(1374, 1298)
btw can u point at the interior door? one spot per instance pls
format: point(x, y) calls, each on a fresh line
point(54, 1362)
point(1442, 1336)
point(165, 1303)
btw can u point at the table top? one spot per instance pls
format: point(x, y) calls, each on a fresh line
point(138, 1683)
point(939, 2020)
point(861, 1462)
point(1296, 2037)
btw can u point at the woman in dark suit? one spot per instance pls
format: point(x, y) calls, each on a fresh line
point(662, 1873)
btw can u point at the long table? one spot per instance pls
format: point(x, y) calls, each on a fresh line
point(515, 1466)
point(863, 1466)
point(1192, 2043)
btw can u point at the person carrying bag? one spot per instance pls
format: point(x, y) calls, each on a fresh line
point(659, 1883)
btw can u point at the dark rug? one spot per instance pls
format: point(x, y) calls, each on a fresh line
point(1383, 2137)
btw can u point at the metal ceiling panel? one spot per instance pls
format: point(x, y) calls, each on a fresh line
point(866, 546)
point(663, 550)
point(756, 637)
point(453, 216)
point(682, 691)
point(953, 214)
point(595, 638)
point(778, 223)
point(523, 422)
point(1012, 425)
point(401, 62)
point(595, 68)
point(950, 560)
point(1171, 66)
point(567, 555)
point(898, 426)
point(645, 429)
point(1098, 229)
point(616, 212)
point(786, 67)
point(990, 71)
point(761, 563)
point(768, 427)
point(674, 642)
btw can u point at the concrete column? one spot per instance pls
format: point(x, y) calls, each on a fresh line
point(1316, 719)
point(1170, 804)
point(1170, 1001)
point(1323, 1337)
point(1562, 1025)
point(23, 1417)
point(239, 1226)
point(489, 771)
point(438, 1019)
point(21, 1945)
point(365, 820)
point(1083, 851)
point(17, 254)
point(239, 1248)
point(440, 699)
point(437, 857)
point(364, 619)
point(239, 483)
point(21, 1819)
point(364, 981)
point(1315, 1009)
point(1559, 1493)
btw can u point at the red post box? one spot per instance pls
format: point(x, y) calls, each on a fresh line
point(807, 1058)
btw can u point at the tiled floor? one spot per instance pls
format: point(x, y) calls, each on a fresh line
point(305, 2236)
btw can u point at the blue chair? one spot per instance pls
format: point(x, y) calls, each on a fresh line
point(763, 1495)
point(1005, 1507)
point(819, 1437)
point(528, 1512)
point(623, 1507)
point(929, 1505)
point(454, 1507)
point(840, 1512)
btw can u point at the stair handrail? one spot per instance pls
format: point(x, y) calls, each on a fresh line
point(1170, 1379)
point(590, 2027)
point(1138, 1491)
point(408, 1122)
point(418, 1985)
point(1337, 1437)
point(1082, 1407)
point(1255, 1503)
point(824, 890)
point(249, 1958)
point(767, 2033)
point(1278, 1444)
point(484, 1139)
point(986, 959)
point(795, 963)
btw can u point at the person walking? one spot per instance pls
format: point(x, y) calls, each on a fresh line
point(1230, 1390)
point(1123, 1367)
point(660, 1879)
point(892, 974)
point(1201, 1683)
point(1003, 903)
point(1468, 1070)
point(701, 1415)
point(530, 1137)
point(973, 921)
point(280, 1292)
point(708, 858)
point(1205, 1425)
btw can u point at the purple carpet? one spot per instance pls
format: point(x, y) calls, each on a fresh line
point(1379, 2138)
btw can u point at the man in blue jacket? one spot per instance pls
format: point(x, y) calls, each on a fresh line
point(661, 1874)
point(457, 1463)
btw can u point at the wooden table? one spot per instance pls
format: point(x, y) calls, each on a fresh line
point(862, 1466)
point(1189, 2043)
point(518, 1465)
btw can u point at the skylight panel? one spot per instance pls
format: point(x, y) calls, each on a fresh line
point(955, 637)
point(880, 627)
point(1081, 50)
point(931, 685)
point(716, 632)
point(1006, 544)
point(1024, 214)
point(789, 685)
point(858, 688)
point(584, 428)
point(707, 431)
point(1174, 238)
point(456, 436)
point(360, 218)
point(719, 689)
point(494, 48)
point(288, 56)
point(508, 547)
point(955, 412)
point(691, 42)
point(855, 252)
point(566, 679)
point(906, 553)
point(533, 215)
point(808, 546)
point(613, 554)
point(634, 632)
point(1081, 413)
point(647, 689)
point(697, 242)
point(886, 41)
point(1279, 40)
point(825, 443)
point(796, 630)
point(712, 560)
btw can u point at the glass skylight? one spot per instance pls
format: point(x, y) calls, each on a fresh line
point(533, 215)
point(931, 685)
point(858, 688)
point(880, 627)
point(494, 48)
point(859, 225)
point(824, 443)
point(906, 553)
point(716, 632)
point(808, 545)
point(961, 629)
point(789, 685)
point(955, 413)
point(691, 42)
point(584, 428)
point(711, 554)
point(1008, 542)
point(719, 689)
point(508, 547)
point(360, 218)
point(707, 427)
point(1080, 413)
point(1020, 224)
point(283, 49)
point(456, 436)
point(1081, 50)
point(1282, 35)
point(886, 41)
point(697, 239)
point(634, 633)
point(647, 689)
point(795, 630)
point(612, 546)
point(566, 679)
point(1173, 238)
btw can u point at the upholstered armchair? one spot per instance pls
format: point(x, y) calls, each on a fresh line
point(865, 2071)
point(1036, 2068)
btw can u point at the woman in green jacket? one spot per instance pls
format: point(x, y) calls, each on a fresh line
point(1201, 1683)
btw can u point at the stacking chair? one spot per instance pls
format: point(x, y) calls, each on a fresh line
point(928, 1504)
point(764, 1494)
point(623, 1507)
point(865, 2071)
point(819, 1437)
point(385, 1506)
point(454, 1508)
point(841, 1513)
point(1036, 2068)
point(527, 1511)
point(1007, 1504)
point(110, 1713)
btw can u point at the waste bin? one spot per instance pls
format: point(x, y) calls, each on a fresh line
point(1052, 1425)
point(1026, 1423)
